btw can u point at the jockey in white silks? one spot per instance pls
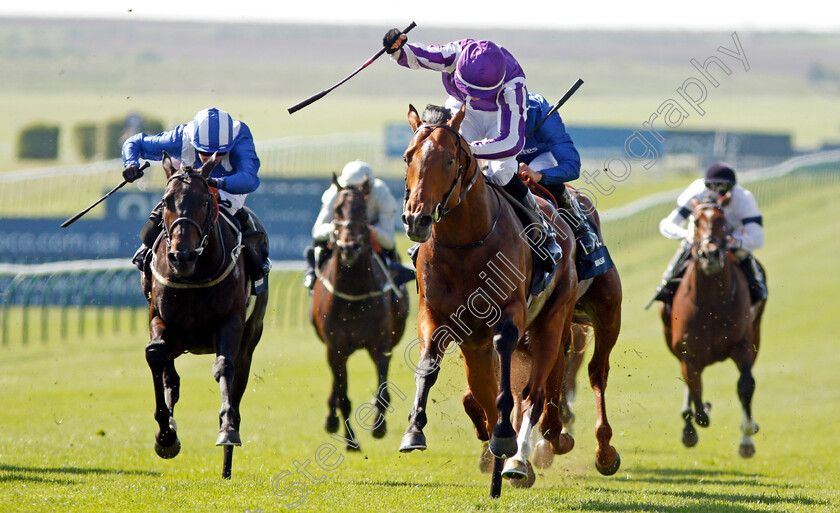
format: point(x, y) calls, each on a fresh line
point(744, 226)
point(381, 214)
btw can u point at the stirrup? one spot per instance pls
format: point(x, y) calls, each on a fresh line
point(139, 258)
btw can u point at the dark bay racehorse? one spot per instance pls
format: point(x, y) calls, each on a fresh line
point(711, 320)
point(473, 272)
point(198, 295)
point(355, 305)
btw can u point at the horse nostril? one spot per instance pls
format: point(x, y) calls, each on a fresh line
point(404, 218)
point(424, 221)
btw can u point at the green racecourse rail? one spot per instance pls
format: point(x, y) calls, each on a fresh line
point(105, 294)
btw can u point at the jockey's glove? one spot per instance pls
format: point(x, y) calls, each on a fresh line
point(132, 173)
point(390, 38)
point(217, 183)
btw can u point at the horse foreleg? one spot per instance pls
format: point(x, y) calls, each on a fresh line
point(338, 398)
point(503, 441)
point(425, 376)
point(746, 387)
point(224, 371)
point(167, 444)
point(382, 358)
point(171, 386)
point(694, 385)
point(574, 359)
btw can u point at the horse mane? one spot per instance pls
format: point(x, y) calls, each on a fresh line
point(435, 115)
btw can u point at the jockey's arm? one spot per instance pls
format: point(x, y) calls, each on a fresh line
point(245, 164)
point(511, 138)
point(750, 235)
point(673, 226)
point(323, 227)
point(433, 57)
point(151, 147)
point(386, 207)
point(563, 149)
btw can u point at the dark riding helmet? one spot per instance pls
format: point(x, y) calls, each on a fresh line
point(719, 177)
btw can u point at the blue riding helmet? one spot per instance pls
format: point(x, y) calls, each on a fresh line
point(212, 131)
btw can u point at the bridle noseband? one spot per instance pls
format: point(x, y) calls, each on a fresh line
point(209, 221)
point(440, 209)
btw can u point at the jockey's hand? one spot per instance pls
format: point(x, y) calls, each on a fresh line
point(527, 172)
point(393, 40)
point(132, 173)
point(212, 182)
point(734, 243)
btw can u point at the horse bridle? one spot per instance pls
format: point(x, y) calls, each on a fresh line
point(203, 231)
point(720, 243)
point(440, 209)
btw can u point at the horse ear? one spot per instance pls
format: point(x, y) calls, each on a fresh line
point(725, 199)
point(209, 165)
point(456, 120)
point(168, 167)
point(335, 182)
point(366, 186)
point(413, 117)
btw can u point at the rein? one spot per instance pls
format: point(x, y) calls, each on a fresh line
point(388, 285)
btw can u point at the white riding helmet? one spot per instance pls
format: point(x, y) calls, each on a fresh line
point(212, 131)
point(354, 173)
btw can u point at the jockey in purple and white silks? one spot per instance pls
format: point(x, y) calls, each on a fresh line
point(744, 227)
point(211, 131)
point(489, 81)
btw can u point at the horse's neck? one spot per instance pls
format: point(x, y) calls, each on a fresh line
point(715, 289)
point(471, 220)
point(357, 278)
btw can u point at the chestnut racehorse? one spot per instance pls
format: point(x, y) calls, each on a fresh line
point(355, 305)
point(711, 320)
point(474, 270)
point(198, 295)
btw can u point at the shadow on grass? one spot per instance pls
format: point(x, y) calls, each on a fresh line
point(11, 473)
point(705, 477)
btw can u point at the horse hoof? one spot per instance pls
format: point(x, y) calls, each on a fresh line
point(562, 444)
point(228, 437)
point(610, 469)
point(354, 447)
point(702, 419)
point(521, 476)
point(746, 450)
point(542, 456)
point(689, 438)
point(413, 440)
point(380, 430)
point(331, 424)
point(485, 461)
point(503, 447)
point(170, 451)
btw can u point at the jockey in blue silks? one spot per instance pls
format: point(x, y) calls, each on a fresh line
point(235, 176)
point(550, 159)
point(489, 81)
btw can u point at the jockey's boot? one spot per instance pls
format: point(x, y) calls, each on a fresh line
point(309, 276)
point(148, 235)
point(668, 287)
point(539, 230)
point(573, 214)
point(255, 242)
point(412, 253)
point(399, 273)
point(755, 278)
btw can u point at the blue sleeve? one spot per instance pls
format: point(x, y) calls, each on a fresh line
point(553, 134)
point(245, 164)
point(151, 147)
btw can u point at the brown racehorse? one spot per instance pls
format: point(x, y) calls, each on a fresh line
point(198, 295)
point(598, 308)
point(473, 273)
point(356, 306)
point(711, 320)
